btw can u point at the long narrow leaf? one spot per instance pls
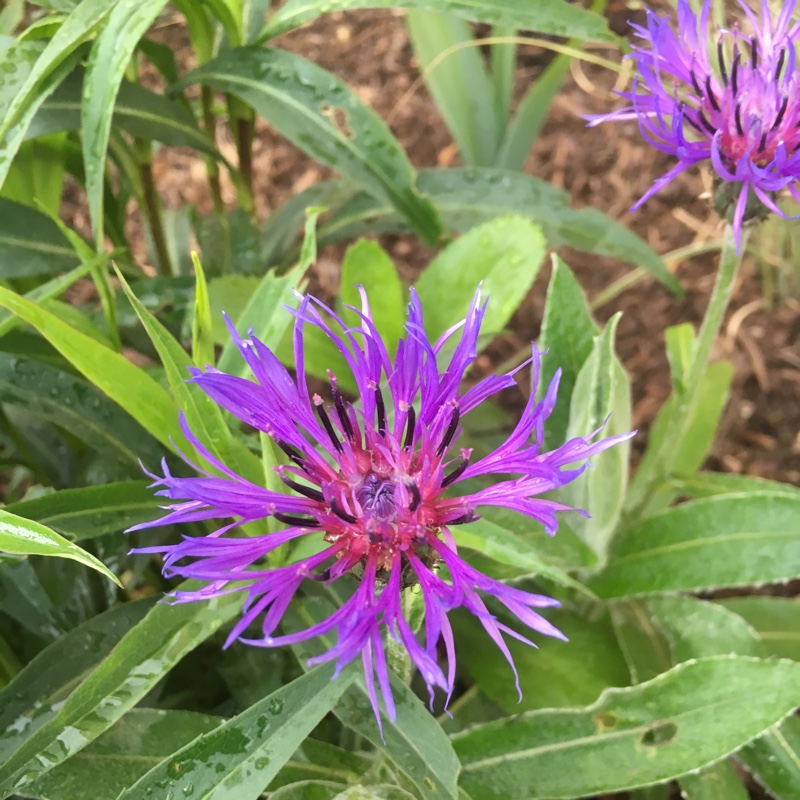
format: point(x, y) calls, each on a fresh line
point(126, 384)
point(55, 62)
point(91, 511)
point(21, 536)
point(456, 78)
point(111, 52)
point(730, 540)
point(238, 759)
point(36, 693)
point(137, 110)
point(325, 118)
point(685, 719)
point(465, 198)
point(202, 413)
point(44, 292)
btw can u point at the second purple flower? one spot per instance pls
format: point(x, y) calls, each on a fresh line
point(732, 100)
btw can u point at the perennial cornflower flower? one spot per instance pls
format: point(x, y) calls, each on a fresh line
point(376, 482)
point(735, 103)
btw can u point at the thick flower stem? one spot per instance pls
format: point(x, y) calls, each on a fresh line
point(396, 654)
point(657, 466)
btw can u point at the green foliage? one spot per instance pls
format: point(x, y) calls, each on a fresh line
point(686, 718)
point(107, 694)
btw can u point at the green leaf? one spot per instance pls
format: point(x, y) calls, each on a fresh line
point(709, 484)
point(696, 628)
point(31, 244)
point(202, 336)
point(718, 782)
point(136, 110)
point(554, 17)
point(731, 540)
point(32, 85)
point(76, 406)
point(329, 790)
point(467, 197)
point(23, 537)
point(505, 254)
point(643, 643)
point(44, 292)
point(108, 60)
point(202, 413)
point(685, 719)
point(702, 429)
point(266, 315)
point(553, 675)
point(774, 759)
point(229, 294)
point(508, 548)
point(367, 264)
point(232, 244)
point(24, 599)
point(680, 343)
point(602, 388)
point(568, 334)
point(128, 385)
point(775, 619)
point(565, 550)
point(532, 110)
point(326, 119)
point(143, 656)
point(458, 82)
point(36, 177)
point(238, 759)
point(91, 511)
point(11, 15)
point(118, 758)
point(36, 694)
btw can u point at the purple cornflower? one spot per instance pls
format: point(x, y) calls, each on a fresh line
point(737, 106)
point(375, 482)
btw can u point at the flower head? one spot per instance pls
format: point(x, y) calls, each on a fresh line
point(375, 481)
point(734, 102)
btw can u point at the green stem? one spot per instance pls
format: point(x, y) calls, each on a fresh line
point(635, 275)
point(244, 146)
point(655, 470)
point(242, 125)
point(152, 208)
point(212, 168)
point(397, 655)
